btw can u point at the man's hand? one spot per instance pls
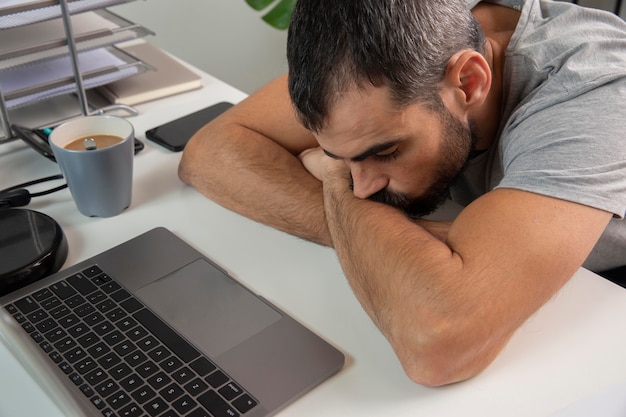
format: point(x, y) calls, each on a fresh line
point(313, 160)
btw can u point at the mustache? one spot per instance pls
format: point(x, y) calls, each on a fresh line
point(394, 199)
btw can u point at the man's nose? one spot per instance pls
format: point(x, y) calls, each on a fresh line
point(366, 182)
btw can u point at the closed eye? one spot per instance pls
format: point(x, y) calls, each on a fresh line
point(387, 156)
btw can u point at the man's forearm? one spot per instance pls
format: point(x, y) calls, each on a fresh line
point(407, 280)
point(251, 175)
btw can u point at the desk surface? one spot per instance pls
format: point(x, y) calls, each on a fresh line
point(572, 348)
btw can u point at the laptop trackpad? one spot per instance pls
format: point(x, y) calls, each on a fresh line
point(207, 307)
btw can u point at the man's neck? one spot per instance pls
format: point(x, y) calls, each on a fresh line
point(498, 23)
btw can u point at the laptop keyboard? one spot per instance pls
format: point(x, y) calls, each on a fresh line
point(121, 356)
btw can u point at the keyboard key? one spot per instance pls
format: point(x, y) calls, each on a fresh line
point(137, 333)
point(118, 400)
point(124, 348)
point(92, 271)
point(107, 412)
point(96, 376)
point(120, 371)
point(88, 339)
point(62, 290)
point(37, 316)
point(171, 364)
point(159, 380)
point(202, 366)
point(230, 391)
point(183, 375)
point(106, 305)
point(107, 388)
point(131, 383)
point(126, 324)
point(46, 325)
point(69, 320)
point(64, 344)
point(216, 405)
point(159, 353)
point(147, 343)
point(98, 402)
point(171, 392)
point(131, 305)
point(55, 335)
point(103, 328)
point(78, 330)
point(59, 312)
point(85, 365)
point(87, 390)
point(155, 407)
point(116, 314)
point(98, 350)
point(110, 287)
point(143, 394)
point(147, 368)
point(66, 368)
point(114, 338)
point(55, 356)
point(42, 294)
point(46, 347)
point(82, 284)
point(97, 297)
point(75, 354)
point(135, 358)
point(216, 379)
point(244, 403)
point(83, 310)
point(75, 300)
point(76, 379)
point(94, 319)
point(120, 295)
point(184, 404)
point(50, 303)
point(109, 360)
point(196, 387)
point(131, 410)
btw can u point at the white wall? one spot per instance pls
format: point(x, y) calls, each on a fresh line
point(225, 38)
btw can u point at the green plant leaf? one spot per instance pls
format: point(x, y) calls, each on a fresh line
point(259, 4)
point(280, 15)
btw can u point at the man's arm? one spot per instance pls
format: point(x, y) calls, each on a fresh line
point(245, 160)
point(448, 308)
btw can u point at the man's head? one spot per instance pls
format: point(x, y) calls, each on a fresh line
point(365, 77)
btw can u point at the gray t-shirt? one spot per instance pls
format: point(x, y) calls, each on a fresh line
point(563, 120)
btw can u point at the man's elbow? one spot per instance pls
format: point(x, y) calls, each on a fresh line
point(448, 358)
point(187, 164)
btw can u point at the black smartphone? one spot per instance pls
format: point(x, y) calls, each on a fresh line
point(174, 135)
point(38, 140)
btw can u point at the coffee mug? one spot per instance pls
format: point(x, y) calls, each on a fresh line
point(95, 154)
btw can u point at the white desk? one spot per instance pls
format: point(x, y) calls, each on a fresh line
point(571, 349)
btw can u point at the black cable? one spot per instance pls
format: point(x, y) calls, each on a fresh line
point(17, 195)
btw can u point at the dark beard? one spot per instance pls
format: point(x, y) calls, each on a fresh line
point(458, 145)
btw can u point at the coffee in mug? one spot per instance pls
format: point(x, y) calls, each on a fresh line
point(93, 142)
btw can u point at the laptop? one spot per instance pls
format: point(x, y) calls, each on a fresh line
point(153, 328)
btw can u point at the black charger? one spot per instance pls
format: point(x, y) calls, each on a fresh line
point(32, 246)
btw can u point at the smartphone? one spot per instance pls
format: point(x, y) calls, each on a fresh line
point(174, 135)
point(38, 140)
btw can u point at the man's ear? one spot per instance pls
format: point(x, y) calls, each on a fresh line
point(469, 74)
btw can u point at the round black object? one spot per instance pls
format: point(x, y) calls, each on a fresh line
point(32, 246)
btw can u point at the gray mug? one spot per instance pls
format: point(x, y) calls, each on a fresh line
point(95, 154)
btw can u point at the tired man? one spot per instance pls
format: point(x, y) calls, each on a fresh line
point(513, 108)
